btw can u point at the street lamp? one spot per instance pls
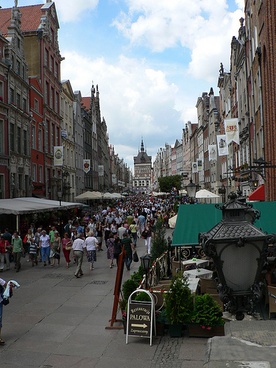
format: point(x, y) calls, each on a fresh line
point(146, 263)
point(238, 250)
point(191, 189)
point(59, 194)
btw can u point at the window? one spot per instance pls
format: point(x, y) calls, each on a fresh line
point(11, 95)
point(1, 136)
point(40, 139)
point(18, 100)
point(33, 137)
point(24, 104)
point(46, 57)
point(34, 174)
point(40, 174)
point(25, 143)
point(36, 105)
point(47, 93)
point(18, 66)
point(18, 139)
point(12, 136)
point(1, 91)
point(2, 190)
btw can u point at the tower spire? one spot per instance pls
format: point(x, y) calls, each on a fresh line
point(142, 146)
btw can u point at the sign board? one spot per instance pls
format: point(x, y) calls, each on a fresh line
point(140, 316)
point(139, 321)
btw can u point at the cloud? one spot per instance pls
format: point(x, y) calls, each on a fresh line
point(203, 27)
point(135, 100)
point(71, 10)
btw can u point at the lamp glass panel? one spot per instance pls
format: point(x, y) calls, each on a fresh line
point(240, 265)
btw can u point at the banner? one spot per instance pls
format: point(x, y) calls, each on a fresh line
point(222, 145)
point(194, 167)
point(232, 130)
point(212, 148)
point(58, 155)
point(86, 165)
point(101, 170)
point(199, 164)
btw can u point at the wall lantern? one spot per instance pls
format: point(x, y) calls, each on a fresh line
point(146, 264)
point(238, 250)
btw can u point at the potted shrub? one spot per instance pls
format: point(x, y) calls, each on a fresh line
point(206, 319)
point(178, 305)
point(161, 321)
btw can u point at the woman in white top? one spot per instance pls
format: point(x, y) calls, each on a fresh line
point(91, 244)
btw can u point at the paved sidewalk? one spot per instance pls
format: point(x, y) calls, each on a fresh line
point(55, 320)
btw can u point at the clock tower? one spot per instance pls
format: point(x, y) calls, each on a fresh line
point(142, 171)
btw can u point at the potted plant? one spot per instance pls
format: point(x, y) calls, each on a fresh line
point(206, 319)
point(161, 321)
point(178, 305)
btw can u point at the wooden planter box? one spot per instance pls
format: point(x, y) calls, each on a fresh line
point(195, 330)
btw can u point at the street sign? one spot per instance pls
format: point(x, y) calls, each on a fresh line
point(140, 316)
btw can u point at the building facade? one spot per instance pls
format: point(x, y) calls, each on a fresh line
point(142, 180)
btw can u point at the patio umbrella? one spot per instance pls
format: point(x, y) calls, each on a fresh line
point(89, 195)
point(172, 221)
point(204, 193)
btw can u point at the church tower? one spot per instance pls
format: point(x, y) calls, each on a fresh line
point(142, 181)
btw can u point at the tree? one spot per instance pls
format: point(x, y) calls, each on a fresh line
point(166, 183)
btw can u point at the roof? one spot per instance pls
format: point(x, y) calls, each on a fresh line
point(258, 194)
point(30, 19)
point(86, 102)
point(193, 219)
point(19, 206)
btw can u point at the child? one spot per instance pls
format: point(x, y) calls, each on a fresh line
point(33, 251)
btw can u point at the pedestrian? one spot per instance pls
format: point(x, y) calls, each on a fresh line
point(133, 230)
point(55, 249)
point(44, 243)
point(26, 243)
point(66, 248)
point(91, 244)
point(147, 236)
point(117, 247)
point(17, 250)
point(110, 249)
point(33, 251)
point(129, 248)
point(99, 233)
point(78, 246)
point(3, 285)
point(4, 254)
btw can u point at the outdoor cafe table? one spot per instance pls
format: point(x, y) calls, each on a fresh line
point(197, 262)
point(198, 273)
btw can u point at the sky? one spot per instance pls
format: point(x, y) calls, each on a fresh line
point(150, 59)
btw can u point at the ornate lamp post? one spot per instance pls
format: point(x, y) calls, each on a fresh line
point(145, 263)
point(191, 189)
point(238, 250)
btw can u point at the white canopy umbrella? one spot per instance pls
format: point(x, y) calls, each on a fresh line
point(204, 193)
point(172, 221)
point(89, 195)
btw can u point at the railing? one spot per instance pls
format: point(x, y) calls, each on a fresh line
point(158, 271)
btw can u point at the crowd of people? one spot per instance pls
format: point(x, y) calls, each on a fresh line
point(105, 228)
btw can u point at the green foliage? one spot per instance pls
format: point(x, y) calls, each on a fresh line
point(128, 287)
point(207, 311)
point(159, 243)
point(166, 183)
point(142, 297)
point(179, 301)
point(138, 276)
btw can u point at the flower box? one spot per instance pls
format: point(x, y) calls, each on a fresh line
point(195, 330)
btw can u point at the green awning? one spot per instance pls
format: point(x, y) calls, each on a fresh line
point(193, 219)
